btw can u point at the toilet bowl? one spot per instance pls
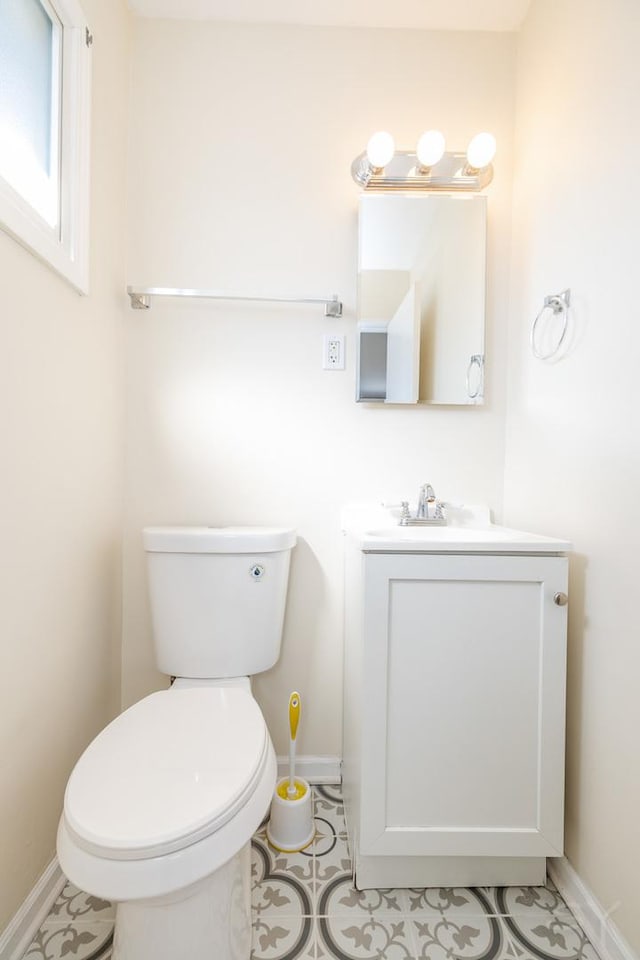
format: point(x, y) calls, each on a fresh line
point(160, 809)
point(166, 796)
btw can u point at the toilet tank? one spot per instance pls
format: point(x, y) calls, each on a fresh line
point(217, 598)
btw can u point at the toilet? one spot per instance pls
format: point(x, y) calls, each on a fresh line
point(160, 809)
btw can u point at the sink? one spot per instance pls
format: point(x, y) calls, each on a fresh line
point(377, 531)
point(443, 534)
point(458, 539)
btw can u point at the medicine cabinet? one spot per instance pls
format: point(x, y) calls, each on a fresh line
point(421, 299)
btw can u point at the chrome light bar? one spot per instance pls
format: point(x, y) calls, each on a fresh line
point(403, 172)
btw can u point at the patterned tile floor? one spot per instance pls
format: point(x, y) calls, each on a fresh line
point(305, 907)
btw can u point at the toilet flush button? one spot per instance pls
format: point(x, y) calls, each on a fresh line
point(257, 571)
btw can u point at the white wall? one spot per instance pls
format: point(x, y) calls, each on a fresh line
point(61, 401)
point(241, 143)
point(573, 446)
point(241, 140)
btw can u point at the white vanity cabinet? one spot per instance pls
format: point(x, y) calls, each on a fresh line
point(454, 713)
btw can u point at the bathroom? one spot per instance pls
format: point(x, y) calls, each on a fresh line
point(220, 158)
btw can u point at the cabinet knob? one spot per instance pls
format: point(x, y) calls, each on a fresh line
point(560, 599)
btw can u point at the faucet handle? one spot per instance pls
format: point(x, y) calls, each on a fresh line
point(405, 516)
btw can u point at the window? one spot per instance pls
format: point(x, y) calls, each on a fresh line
point(44, 132)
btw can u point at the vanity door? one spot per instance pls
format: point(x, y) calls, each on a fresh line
point(464, 705)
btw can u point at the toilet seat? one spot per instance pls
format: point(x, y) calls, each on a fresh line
point(167, 773)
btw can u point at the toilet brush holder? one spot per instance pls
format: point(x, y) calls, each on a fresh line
point(291, 826)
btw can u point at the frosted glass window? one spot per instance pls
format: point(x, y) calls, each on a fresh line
point(30, 79)
point(45, 132)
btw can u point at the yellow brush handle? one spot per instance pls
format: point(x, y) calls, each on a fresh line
point(294, 713)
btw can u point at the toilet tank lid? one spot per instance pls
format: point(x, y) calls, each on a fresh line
point(218, 539)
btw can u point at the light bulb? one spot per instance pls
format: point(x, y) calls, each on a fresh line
point(430, 148)
point(481, 150)
point(380, 149)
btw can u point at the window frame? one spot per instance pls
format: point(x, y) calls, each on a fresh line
point(65, 248)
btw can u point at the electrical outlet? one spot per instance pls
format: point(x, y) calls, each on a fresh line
point(333, 352)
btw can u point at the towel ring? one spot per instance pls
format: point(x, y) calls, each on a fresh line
point(557, 303)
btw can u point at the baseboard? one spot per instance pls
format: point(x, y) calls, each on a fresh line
point(21, 930)
point(313, 769)
point(590, 914)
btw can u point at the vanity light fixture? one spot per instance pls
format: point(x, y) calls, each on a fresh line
point(481, 151)
point(431, 168)
point(380, 150)
point(430, 150)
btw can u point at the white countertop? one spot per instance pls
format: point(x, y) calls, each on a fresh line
point(377, 530)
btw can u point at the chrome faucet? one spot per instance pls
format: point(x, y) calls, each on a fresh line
point(423, 515)
point(427, 496)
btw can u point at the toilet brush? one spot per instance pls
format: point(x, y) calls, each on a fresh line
point(291, 825)
point(294, 719)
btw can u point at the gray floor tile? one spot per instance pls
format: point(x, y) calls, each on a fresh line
point(457, 935)
point(274, 938)
point(542, 901)
point(450, 902)
point(336, 894)
point(329, 810)
point(557, 936)
point(365, 938)
point(73, 941)
point(332, 864)
point(281, 883)
point(305, 907)
point(74, 905)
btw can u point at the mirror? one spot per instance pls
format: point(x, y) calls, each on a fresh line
point(421, 299)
